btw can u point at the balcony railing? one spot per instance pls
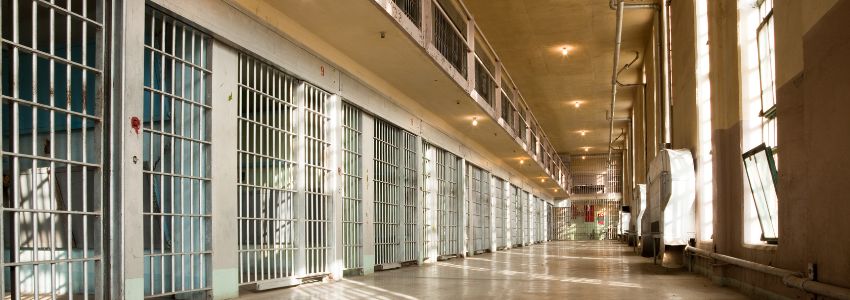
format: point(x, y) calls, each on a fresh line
point(411, 9)
point(450, 35)
point(485, 82)
point(449, 40)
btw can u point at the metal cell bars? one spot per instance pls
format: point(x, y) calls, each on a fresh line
point(499, 211)
point(447, 201)
point(352, 189)
point(317, 197)
point(388, 192)
point(266, 184)
point(590, 219)
point(531, 212)
point(52, 148)
point(409, 160)
point(516, 216)
point(479, 198)
point(176, 161)
point(525, 217)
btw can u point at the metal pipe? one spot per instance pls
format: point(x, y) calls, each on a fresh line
point(789, 278)
point(617, 43)
point(619, 6)
point(613, 5)
point(665, 71)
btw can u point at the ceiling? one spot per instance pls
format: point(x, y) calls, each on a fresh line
point(528, 36)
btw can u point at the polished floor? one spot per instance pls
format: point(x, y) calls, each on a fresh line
point(555, 270)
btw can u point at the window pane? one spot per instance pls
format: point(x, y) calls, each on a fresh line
point(761, 175)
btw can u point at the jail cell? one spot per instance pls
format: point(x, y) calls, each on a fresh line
point(484, 221)
point(388, 192)
point(176, 157)
point(524, 217)
point(52, 148)
point(352, 188)
point(588, 219)
point(499, 211)
point(317, 197)
point(531, 221)
point(447, 202)
point(516, 216)
point(409, 161)
point(266, 137)
point(473, 203)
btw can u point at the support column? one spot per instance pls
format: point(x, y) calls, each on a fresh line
point(223, 150)
point(463, 197)
point(300, 183)
point(420, 200)
point(335, 257)
point(131, 194)
point(368, 241)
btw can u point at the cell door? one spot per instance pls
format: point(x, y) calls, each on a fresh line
point(388, 192)
point(267, 138)
point(176, 158)
point(52, 148)
point(409, 237)
point(474, 206)
point(485, 211)
point(352, 186)
point(499, 211)
point(447, 202)
point(516, 216)
point(318, 207)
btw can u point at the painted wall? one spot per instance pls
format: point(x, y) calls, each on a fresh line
point(812, 62)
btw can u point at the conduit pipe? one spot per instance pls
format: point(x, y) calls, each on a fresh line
point(789, 278)
point(619, 6)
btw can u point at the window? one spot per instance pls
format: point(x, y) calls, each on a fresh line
point(761, 174)
point(767, 67)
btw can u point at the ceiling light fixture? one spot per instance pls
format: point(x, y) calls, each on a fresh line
point(583, 157)
point(564, 51)
point(542, 179)
point(583, 132)
point(475, 121)
point(578, 103)
point(586, 149)
point(521, 161)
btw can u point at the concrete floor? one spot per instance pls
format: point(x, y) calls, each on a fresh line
point(555, 270)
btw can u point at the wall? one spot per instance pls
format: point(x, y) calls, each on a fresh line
point(811, 62)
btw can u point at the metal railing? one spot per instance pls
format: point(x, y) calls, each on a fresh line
point(485, 82)
point(449, 40)
point(412, 9)
point(494, 85)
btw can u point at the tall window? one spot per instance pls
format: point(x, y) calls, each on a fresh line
point(767, 67)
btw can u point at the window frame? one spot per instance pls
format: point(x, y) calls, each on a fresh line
point(768, 114)
point(773, 216)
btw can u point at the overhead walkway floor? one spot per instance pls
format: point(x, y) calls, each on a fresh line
point(556, 270)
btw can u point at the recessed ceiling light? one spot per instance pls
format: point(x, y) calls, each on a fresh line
point(542, 179)
point(564, 51)
point(586, 149)
point(582, 132)
point(583, 157)
point(521, 161)
point(578, 103)
point(475, 121)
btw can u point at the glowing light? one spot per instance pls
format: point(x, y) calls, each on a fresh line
point(583, 157)
point(583, 132)
point(475, 121)
point(521, 161)
point(578, 104)
point(542, 180)
point(586, 149)
point(564, 51)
